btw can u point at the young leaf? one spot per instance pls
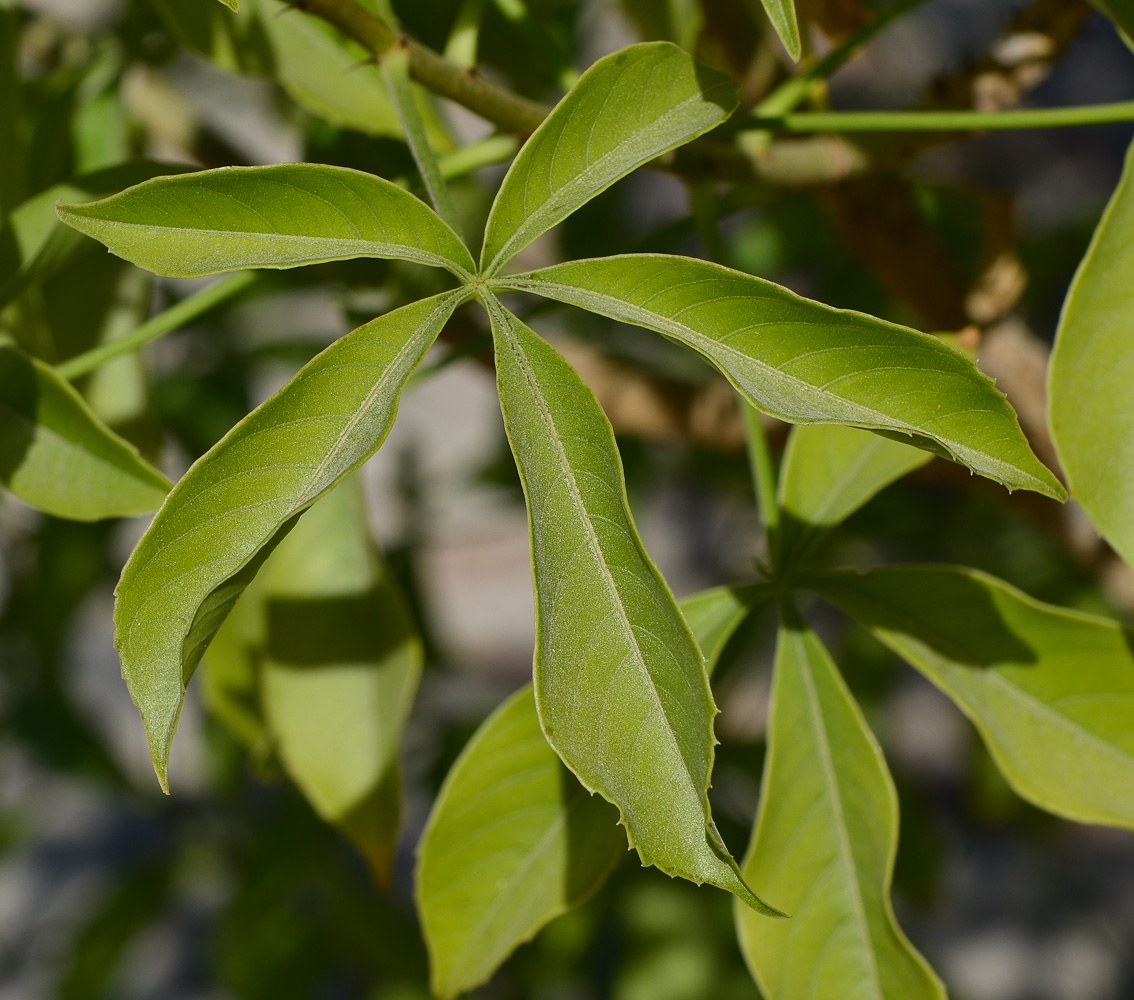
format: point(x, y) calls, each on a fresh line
point(278, 216)
point(513, 841)
point(620, 683)
point(807, 363)
point(55, 454)
point(223, 518)
point(824, 844)
point(1051, 691)
point(1090, 403)
point(340, 668)
point(626, 109)
point(828, 472)
point(782, 15)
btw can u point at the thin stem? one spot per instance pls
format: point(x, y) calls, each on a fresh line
point(763, 480)
point(175, 316)
point(791, 92)
point(483, 153)
point(395, 71)
point(946, 121)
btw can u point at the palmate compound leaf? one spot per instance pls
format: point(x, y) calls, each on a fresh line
point(824, 844)
point(1051, 691)
point(625, 110)
point(279, 216)
point(830, 471)
point(55, 454)
point(619, 681)
point(339, 669)
point(236, 502)
point(1090, 394)
point(805, 362)
point(513, 839)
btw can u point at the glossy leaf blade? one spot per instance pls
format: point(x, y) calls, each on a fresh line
point(513, 841)
point(783, 17)
point(805, 362)
point(626, 109)
point(278, 216)
point(1051, 691)
point(341, 665)
point(620, 683)
point(1090, 402)
point(55, 454)
point(824, 844)
point(222, 519)
point(830, 471)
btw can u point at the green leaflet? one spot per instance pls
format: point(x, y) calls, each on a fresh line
point(629, 709)
point(782, 15)
point(626, 109)
point(340, 667)
point(277, 216)
point(1121, 12)
point(828, 472)
point(1090, 403)
point(230, 670)
point(232, 5)
point(55, 454)
point(513, 839)
point(209, 538)
point(824, 845)
point(805, 362)
point(1051, 691)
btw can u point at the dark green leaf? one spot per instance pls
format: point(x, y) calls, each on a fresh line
point(805, 362)
point(1051, 691)
point(1090, 400)
point(824, 845)
point(223, 518)
point(55, 454)
point(278, 216)
point(625, 110)
point(620, 683)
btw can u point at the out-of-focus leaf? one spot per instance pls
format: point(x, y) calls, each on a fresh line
point(805, 362)
point(12, 161)
point(1090, 400)
point(232, 5)
point(626, 109)
point(1051, 691)
point(678, 21)
point(824, 844)
point(340, 667)
point(513, 841)
point(1121, 12)
point(211, 536)
point(828, 472)
point(279, 216)
point(56, 455)
point(237, 44)
point(783, 17)
point(230, 680)
point(620, 683)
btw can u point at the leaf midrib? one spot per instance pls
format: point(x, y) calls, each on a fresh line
point(593, 542)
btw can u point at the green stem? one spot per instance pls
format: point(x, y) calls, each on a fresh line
point(945, 121)
point(187, 309)
point(791, 92)
point(483, 153)
point(764, 480)
point(396, 73)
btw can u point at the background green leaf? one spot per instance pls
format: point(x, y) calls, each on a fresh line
point(805, 362)
point(55, 454)
point(626, 109)
point(513, 841)
point(824, 845)
point(620, 683)
point(1090, 402)
point(714, 615)
point(278, 216)
point(782, 15)
point(828, 472)
point(1051, 691)
point(340, 667)
point(208, 540)
point(1121, 12)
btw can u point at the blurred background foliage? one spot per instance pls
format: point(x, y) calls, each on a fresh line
point(232, 887)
